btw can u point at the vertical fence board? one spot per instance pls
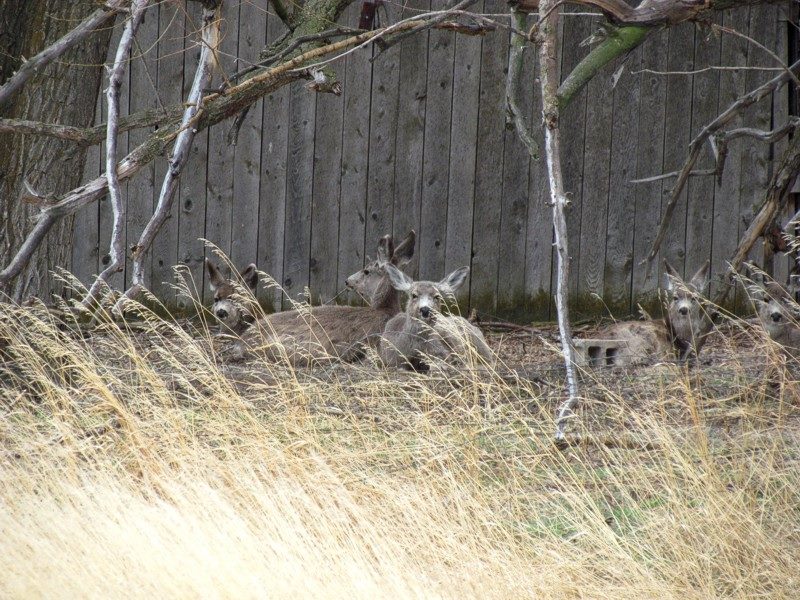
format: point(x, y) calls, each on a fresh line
point(299, 190)
point(106, 215)
point(649, 161)
point(677, 130)
point(213, 166)
point(514, 203)
point(590, 250)
point(700, 190)
point(621, 203)
point(324, 260)
point(164, 253)
point(780, 114)
point(489, 167)
point(576, 29)
point(725, 237)
point(144, 96)
point(539, 243)
point(272, 193)
point(463, 137)
point(382, 132)
point(353, 244)
point(410, 141)
point(436, 154)
point(85, 241)
point(247, 153)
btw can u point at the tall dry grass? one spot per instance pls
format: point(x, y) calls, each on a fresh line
point(137, 463)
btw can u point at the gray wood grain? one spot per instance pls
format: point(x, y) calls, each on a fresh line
point(353, 245)
point(489, 168)
point(436, 155)
point(170, 77)
point(272, 192)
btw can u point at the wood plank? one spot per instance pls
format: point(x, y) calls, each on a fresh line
point(621, 199)
point(755, 156)
point(247, 152)
point(410, 139)
point(436, 155)
point(324, 280)
point(463, 138)
point(489, 167)
point(382, 135)
point(677, 132)
point(572, 141)
point(780, 114)
point(513, 203)
point(355, 152)
point(725, 235)
point(207, 197)
point(106, 215)
point(144, 96)
point(650, 161)
point(164, 253)
point(85, 231)
point(701, 190)
point(590, 249)
point(299, 190)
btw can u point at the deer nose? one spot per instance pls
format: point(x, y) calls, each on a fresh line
point(222, 313)
point(425, 311)
point(683, 310)
point(776, 317)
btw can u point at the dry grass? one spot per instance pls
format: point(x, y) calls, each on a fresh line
point(137, 463)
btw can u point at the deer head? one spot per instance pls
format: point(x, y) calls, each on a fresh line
point(230, 306)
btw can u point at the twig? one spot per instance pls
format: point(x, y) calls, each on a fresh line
point(210, 35)
point(117, 246)
point(696, 145)
point(702, 173)
point(84, 29)
point(758, 44)
point(550, 111)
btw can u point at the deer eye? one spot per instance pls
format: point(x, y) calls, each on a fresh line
point(366, 271)
point(414, 296)
point(438, 297)
point(675, 297)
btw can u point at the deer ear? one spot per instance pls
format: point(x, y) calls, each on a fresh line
point(455, 280)
point(404, 252)
point(250, 276)
point(670, 276)
point(399, 280)
point(700, 279)
point(385, 249)
point(215, 278)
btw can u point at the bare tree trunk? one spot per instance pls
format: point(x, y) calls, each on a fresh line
point(64, 92)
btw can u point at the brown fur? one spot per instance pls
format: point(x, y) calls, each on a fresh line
point(777, 312)
point(680, 334)
point(335, 332)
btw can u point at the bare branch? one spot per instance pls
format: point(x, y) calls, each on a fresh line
point(697, 143)
point(117, 249)
point(550, 112)
point(84, 29)
point(210, 36)
point(703, 173)
point(516, 59)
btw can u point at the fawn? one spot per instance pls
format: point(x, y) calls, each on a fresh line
point(422, 330)
point(681, 333)
point(777, 312)
point(321, 333)
point(231, 309)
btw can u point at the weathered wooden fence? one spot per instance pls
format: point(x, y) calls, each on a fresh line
point(418, 139)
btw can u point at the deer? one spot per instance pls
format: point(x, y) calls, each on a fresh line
point(778, 312)
point(325, 333)
point(680, 334)
point(233, 310)
point(422, 331)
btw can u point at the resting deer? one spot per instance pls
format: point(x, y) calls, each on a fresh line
point(778, 313)
point(422, 330)
point(336, 332)
point(231, 309)
point(681, 333)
